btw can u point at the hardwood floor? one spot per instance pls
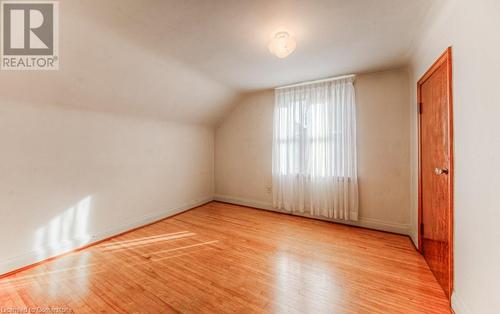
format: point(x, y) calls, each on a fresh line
point(221, 258)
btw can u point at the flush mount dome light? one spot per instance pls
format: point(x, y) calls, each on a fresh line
point(282, 44)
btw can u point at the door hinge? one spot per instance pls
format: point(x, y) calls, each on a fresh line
point(422, 228)
point(420, 108)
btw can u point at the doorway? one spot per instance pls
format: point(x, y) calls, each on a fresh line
point(435, 210)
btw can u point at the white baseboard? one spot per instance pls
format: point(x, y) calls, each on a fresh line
point(44, 253)
point(362, 222)
point(458, 305)
point(414, 238)
point(244, 202)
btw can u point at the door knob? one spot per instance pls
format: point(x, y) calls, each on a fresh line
point(440, 171)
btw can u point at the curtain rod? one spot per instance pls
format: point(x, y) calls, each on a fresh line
point(318, 81)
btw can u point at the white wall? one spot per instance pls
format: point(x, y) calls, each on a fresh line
point(383, 138)
point(472, 29)
point(243, 151)
point(71, 177)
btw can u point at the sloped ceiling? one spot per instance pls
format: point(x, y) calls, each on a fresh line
point(188, 60)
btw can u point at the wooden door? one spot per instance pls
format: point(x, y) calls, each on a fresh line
point(436, 171)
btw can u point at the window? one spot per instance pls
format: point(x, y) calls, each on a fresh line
point(314, 147)
point(311, 130)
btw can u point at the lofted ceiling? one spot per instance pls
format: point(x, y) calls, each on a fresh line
point(188, 60)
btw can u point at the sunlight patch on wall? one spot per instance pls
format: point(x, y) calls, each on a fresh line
point(65, 231)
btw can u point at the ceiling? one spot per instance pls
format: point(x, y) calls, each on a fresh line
point(188, 60)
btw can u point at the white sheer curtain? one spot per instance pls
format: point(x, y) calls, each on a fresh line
point(314, 150)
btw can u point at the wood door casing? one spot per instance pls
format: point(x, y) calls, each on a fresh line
point(436, 152)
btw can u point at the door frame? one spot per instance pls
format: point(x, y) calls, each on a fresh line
point(444, 58)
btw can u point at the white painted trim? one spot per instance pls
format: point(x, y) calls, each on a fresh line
point(244, 202)
point(369, 223)
point(35, 256)
point(329, 79)
point(458, 305)
point(414, 238)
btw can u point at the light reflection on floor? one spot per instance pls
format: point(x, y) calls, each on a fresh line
point(181, 248)
point(314, 279)
point(115, 242)
point(77, 268)
point(126, 245)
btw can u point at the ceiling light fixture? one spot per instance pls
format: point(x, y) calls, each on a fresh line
point(282, 44)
